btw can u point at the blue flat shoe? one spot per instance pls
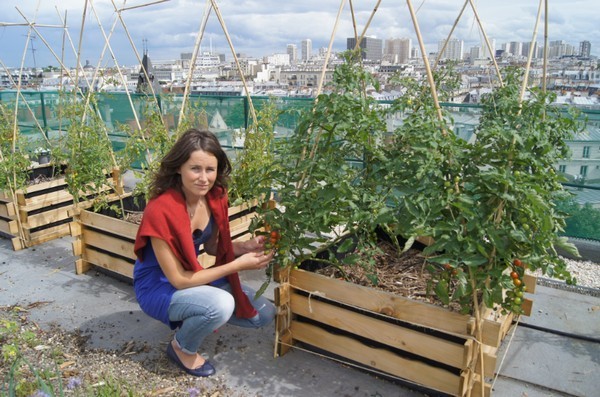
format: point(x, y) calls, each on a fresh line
point(205, 370)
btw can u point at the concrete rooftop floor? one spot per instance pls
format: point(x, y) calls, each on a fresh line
point(555, 352)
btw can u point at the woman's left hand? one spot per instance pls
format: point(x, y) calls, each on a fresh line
point(256, 244)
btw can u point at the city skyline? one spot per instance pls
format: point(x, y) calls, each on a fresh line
point(169, 28)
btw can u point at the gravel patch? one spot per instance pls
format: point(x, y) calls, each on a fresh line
point(587, 274)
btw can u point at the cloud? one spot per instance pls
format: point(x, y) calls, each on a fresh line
point(264, 27)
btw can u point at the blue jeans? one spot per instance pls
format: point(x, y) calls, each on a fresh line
point(203, 309)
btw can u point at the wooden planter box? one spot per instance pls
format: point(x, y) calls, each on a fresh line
point(420, 343)
point(39, 213)
point(107, 242)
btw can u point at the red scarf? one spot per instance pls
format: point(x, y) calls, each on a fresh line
point(166, 217)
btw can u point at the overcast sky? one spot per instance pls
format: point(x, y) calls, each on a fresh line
point(265, 27)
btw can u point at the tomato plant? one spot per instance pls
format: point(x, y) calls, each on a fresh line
point(483, 203)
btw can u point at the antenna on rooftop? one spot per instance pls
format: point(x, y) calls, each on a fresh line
point(145, 46)
point(33, 50)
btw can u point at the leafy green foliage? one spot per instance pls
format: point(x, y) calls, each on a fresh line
point(321, 181)
point(484, 203)
point(582, 220)
point(248, 178)
point(85, 148)
point(14, 163)
point(146, 146)
point(488, 202)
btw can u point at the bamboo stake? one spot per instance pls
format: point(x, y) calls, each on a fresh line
point(41, 36)
point(61, 60)
point(487, 42)
point(13, 186)
point(530, 55)
point(439, 55)
point(93, 82)
point(545, 68)
point(353, 20)
point(142, 5)
point(22, 67)
point(127, 93)
point(199, 36)
point(362, 35)
point(426, 62)
point(80, 43)
point(135, 51)
point(237, 62)
point(20, 95)
point(478, 329)
point(328, 55)
point(317, 138)
point(39, 25)
point(62, 51)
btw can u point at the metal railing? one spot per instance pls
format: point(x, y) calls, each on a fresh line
point(39, 113)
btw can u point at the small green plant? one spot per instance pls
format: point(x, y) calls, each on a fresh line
point(14, 161)
point(249, 179)
point(85, 149)
point(24, 377)
point(146, 146)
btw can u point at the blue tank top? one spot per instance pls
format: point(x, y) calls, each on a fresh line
point(153, 290)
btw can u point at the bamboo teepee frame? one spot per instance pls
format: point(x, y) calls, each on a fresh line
point(212, 6)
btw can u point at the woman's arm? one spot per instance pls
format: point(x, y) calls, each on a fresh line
point(181, 278)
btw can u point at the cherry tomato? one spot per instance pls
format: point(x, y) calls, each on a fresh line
point(517, 262)
point(517, 282)
point(514, 275)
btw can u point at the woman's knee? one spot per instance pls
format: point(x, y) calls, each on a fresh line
point(208, 302)
point(225, 305)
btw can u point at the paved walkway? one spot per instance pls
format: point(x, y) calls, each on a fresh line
point(555, 352)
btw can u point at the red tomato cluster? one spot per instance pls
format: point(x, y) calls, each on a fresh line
point(514, 297)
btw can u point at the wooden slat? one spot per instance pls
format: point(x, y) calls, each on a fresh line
point(17, 244)
point(527, 306)
point(241, 224)
point(7, 208)
point(476, 388)
point(38, 187)
point(396, 336)
point(378, 359)
point(284, 342)
point(206, 260)
point(44, 218)
point(382, 302)
point(53, 198)
point(41, 236)
point(281, 295)
point(530, 281)
point(111, 263)
point(490, 357)
point(236, 209)
point(44, 200)
point(106, 242)
point(109, 224)
point(77, 246)
point(82, 266)
point(9, 226)
point(75, 229)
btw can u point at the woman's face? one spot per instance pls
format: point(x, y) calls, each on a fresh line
point(198, 173)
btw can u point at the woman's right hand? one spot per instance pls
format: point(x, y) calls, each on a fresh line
point(254, 260)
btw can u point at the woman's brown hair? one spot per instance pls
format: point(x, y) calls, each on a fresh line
point(190, 141)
